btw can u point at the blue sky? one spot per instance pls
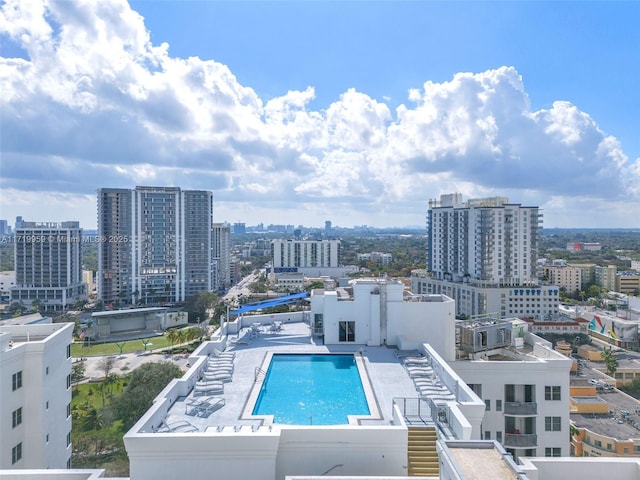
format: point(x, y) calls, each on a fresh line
point(300, 112)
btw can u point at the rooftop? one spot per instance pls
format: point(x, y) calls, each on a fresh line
point(383, 368)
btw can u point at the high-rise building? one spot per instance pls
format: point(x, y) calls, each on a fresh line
point(48, 262)
point(35, 398)
point(239, 228)
point(483, 253)
point(222, 255)
point(4, 227)
point(156, 244)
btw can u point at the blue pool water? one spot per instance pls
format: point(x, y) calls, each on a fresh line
point(312, 390)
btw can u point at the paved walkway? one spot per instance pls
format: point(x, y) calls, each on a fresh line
point(130, 361)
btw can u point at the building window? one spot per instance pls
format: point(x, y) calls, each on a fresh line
point(552, 424)
point(16, 453)
point(16, 381)
point(487, 435)
point(498, 405)
point(552, 393)
point(347, 331)
point(552, 452)
point(68, 439)
point(69, 351)
point(16, 417)
point(46, 371)
point(68, 410)
point(499, 436)
point(487, 405)
point(68, 381)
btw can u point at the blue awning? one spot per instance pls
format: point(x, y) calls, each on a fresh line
point(271, 302)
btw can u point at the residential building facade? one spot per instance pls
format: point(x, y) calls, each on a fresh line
point(565, 277)
point(628, 282)
point(156, 244)
point(311, 257)
point(605, 277)
point(48, 262)
point(35, 398)
point(483, 254)
point(523, 382)
point(222, 255)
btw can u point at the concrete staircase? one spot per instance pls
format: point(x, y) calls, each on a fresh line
point(422, 454)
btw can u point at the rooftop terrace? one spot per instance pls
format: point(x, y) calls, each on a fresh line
point(385, 378)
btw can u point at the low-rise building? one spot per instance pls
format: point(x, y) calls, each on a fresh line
point(564, 277)
point(377, 311)
point(523, 382)
point(628, 282)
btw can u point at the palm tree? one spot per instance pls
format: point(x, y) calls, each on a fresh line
point(172, 336)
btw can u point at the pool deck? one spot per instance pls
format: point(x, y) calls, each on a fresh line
point(387, 374)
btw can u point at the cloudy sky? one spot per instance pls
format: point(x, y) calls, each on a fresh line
point(300, 112)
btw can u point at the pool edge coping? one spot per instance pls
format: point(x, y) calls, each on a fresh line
point(369, 393)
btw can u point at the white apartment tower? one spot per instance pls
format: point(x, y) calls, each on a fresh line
point(488, 240)
point(483, 253)
point(290, 255)
point(35, 398)
point(48, 262)
point(156, 244)
point(222, 255)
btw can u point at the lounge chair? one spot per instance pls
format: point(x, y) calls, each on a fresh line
point(219, 368)
point(217, 377)
point(181, 426)
point(208, 388)
point(218, 354)
point(417, 361)
point(419, 372)
point(203, 407)
point(220, 361)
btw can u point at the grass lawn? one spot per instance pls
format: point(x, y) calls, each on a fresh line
point(77, 350)
point(90, 393)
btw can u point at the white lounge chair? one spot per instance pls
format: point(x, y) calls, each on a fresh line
point(419, 372)
point(208, 388)
point(181, 426)
point(219, 354)
point(203, 407)
point(217, 377)
point(219, 369)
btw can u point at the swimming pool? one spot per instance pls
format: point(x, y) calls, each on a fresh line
point(312, 389)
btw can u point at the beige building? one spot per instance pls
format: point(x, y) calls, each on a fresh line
point(564, 276)
point(628, 282)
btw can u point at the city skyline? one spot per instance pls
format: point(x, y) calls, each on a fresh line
point(297, 113)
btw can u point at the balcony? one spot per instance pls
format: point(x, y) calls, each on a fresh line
point(520, 408)
point(517, 440)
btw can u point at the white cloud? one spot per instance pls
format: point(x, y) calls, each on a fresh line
point(97, 104)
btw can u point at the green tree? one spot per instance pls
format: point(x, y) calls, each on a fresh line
point(143, 385)
point(17, 307)
point(198, 305)
point(120, 346)
point(610, 361)
point(172, 336)
point(77, 372)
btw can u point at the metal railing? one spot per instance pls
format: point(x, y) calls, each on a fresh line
point(517, 440)
point(521, 408)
